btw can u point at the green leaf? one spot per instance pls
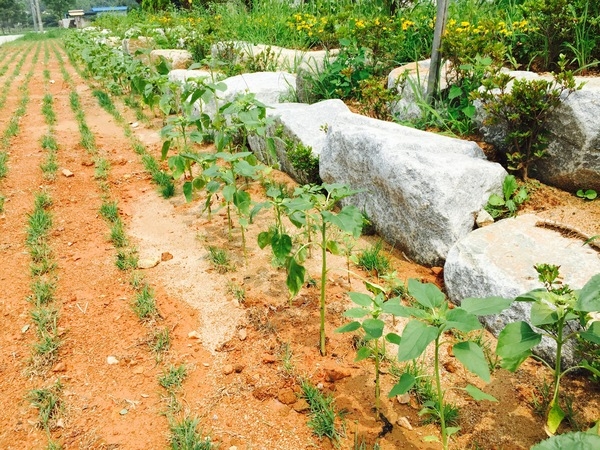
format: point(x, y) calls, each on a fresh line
point(428, 295)
point(360, 299)
point(349, 219)
point(512, 364)
point(592, 334)
point(432, 438)
point(393, 338)
point(374, 288)
point(373, 327)
point(543, 313)
point(462, 320)
point(362, 353)
point(332, 247)
point(264, 239)
point(589, 296)
point(509, 186)
point(485, 306)
point(516, 339)
point(471, 356)
point(393, 307)
point(165, 149)
point(572, 441)
point(295, 277)
point(415, 339)
point(281, 244)
point(406, 382)
point(188, 190)
point(478, 394)
point(452, 430)
point(352, 326)
point(592, 369)
point(496, 200)
point(555, 417)
point(533, 296)
point(455, 91)
point(356, 313)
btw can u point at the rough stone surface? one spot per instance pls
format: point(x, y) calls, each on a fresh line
point(573, 160)
point(143, 43)
point(182, 75)
point(498, 260)
point(178, 59)
point(421, 191)
point(297, 124)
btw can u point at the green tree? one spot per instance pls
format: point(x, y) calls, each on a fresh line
point(58, 8)
point(12, 12)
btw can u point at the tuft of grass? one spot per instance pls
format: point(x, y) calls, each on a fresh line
point(287, 358)
point(173, 378)
point(102, 168)
point(160, 342)
point(144, 304)
point(42, 200)
point(185, 436)
point(219, 259)
point(372, 260)
point(2, 200)
point(238, 292)
point(137, 280)
point(40, 222)
point(48, 402)
point(127, 259)
point(117, 234)
point(324, 419)
point(109, 211)
point(43, 292)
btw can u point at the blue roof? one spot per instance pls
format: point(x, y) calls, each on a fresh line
point(98, 9)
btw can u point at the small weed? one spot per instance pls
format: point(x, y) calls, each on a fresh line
point(39, 251)
point(372, 260)
point(286, 356)
point(2, 200)
point(48, 403)
point(185, 436)
point(102, 168)
point(238, 292)
point(126, 259)
point(40, 222)
point(42, 200)
point(117, 234)
point(49, 168)
point(41, 268)
point(324, 419)
point(220, 259)
point(137, 280)
point(160, 342)
point(540, 401)
point(52, 445)
point(144, 305)
point(173, 378)
point(43, 292)
point(109, 211)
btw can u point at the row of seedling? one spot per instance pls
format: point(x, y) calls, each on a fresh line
point(45, 315)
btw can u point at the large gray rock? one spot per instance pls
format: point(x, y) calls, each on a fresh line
point(178, 59)
point(297, 125)
point(573, 160)
point(183, 75)
point(498, 260)
point(421, 190)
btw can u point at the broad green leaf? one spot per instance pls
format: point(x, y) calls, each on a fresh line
point(512, 364)
point(452, 430)
point(406, 382)
point(393, 307)
point(188, 190)
point(455, 91)
point(177, 166)
point(360, 299)
point(242, 200)
point(461, 320)
point(472, 357)
point(165, 150)
point(349, 219)
point(543, 313)
point(589, 296)
point(570, 441)
point(432, 438)
point(485, 306)
point(362, 353)
point(428, 294)
point(555, 417)
point(228, 192)
point(393, 338)
point(264, 239)
point(356, 313)
point(515, 339)
point(496, 200)
point(281, 244)
point(352, 326)
point(415, 339)
point(295, 276)
point(478, 394)
point(332, 247)
point(509, 186)
point(592, 334)
point(373, 327)
point(532, 296)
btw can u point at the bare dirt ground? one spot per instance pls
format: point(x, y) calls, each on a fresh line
point(237, 384)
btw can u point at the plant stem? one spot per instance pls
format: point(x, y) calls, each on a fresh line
point(440, 393)
point(559, 344)
point(377, 386)
point(323, 281)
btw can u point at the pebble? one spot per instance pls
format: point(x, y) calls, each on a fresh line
point(238, 368)
point(67, 173)
point(301, 406)
point(268, 359)
point(25, 328)
point(112, 360)
point(123, 411)
point(60, 367)
point(403, 399)
point(287, 396)
point(227, 369)
point(404, 423)
point(148, 263)
point(242, 334)
point(194, 335)
point(166, 256)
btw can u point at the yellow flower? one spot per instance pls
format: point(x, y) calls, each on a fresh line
point(464, 24)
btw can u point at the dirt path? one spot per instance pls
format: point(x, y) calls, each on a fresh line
point(244, 353)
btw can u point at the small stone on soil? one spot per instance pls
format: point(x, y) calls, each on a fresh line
point(112, 360)
point(227, 369)
point(67, 173)
point(148, 263)
point(242, 334)
point(194, 335)
point(268, 359)
point(166, 256)
point(301, 406)
point(287, 396)
point(404, 423)
point(403, 399)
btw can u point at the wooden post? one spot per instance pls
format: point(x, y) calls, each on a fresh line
point(433, 81)
point(33, 15)
point(39, 16)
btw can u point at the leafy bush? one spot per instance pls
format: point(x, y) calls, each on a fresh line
point(513, 196)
